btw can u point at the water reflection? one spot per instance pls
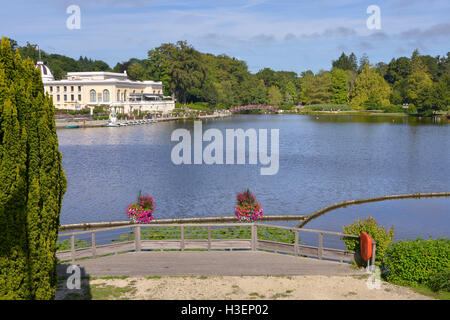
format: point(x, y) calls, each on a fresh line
point(322, 161)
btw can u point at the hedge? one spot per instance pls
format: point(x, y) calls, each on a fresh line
point(416, 261)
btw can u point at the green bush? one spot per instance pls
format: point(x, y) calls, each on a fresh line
point(327, 107)
point(440, 281)
point(416, 261)
point(380, 234)
point(393, 109)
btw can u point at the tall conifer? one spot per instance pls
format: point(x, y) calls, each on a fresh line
point(32, 182)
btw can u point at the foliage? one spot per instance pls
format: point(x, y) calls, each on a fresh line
point(417, 261)
point(381, 235)
point(346, 62)
point(440, 281)
point(369, 85)
point(340, 86)
point(142, 210)
point(247, 208)
point(32, 181)
point(275, 97)
point(327, 107)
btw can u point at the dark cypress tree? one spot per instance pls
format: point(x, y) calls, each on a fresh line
point(32, 182)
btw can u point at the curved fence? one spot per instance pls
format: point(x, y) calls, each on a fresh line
point(205, 237)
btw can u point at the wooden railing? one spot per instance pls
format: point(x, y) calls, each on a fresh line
point(208, 244)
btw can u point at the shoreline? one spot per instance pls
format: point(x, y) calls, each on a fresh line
point(102, 123)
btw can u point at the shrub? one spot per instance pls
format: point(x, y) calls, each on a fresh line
point(327, 107)
point(440, 281)
point(416, 261)
point(380, 234)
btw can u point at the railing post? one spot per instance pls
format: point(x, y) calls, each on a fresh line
point(72, 247)
point(94, 253)
point(296, 243)
point(182, 238)
point(320, 245)
point(137, 238)
point(209, 238)
point(374, 247)
point(254, 236)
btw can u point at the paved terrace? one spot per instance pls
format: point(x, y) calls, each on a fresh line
point(225, 263)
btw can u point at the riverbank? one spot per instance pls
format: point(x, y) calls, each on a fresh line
point(236, 288)
point(82, 123)
point(354, 113)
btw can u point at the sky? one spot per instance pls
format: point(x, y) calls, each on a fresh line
point(290, 35)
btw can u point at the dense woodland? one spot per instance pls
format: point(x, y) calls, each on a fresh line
point(220, 81)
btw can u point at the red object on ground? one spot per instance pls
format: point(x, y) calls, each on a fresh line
point(366, 246)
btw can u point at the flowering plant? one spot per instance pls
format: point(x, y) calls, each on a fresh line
point(247, 208)
point(142, 210)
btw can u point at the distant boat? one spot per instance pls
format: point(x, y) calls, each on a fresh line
point(112, 124)
point(72, 127)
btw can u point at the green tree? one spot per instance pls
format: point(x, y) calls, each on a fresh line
point(369, 84)
point(346, 62)
point(186, 71)
point(420, 92)
point(291, 93)
point(320, 89)
point(136, 72)
point(340, 86)
point(32, 182)
point(275, 97)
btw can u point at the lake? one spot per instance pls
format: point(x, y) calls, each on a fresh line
point(323, 160)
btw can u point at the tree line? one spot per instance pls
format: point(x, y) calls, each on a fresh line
point(420, 81)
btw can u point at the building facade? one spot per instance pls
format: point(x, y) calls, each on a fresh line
point(79, 90)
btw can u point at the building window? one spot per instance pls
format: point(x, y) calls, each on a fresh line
point(79, 88)
point(58, 98)
point(125, 95)
point(65, 88)
point(71, 88)
point(118, 95)
point(79, 97)
point(65, 97)
point(51, 89)
point(72, 97)
point(93, 95)
point(57, 89)
point(105, 95)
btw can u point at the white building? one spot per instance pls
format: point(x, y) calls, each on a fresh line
point(80, 90)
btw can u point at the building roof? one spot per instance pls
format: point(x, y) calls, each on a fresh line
point(46, 73)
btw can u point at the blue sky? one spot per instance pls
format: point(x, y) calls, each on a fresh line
point(283, 35)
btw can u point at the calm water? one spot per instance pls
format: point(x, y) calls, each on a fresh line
point(323, 160)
